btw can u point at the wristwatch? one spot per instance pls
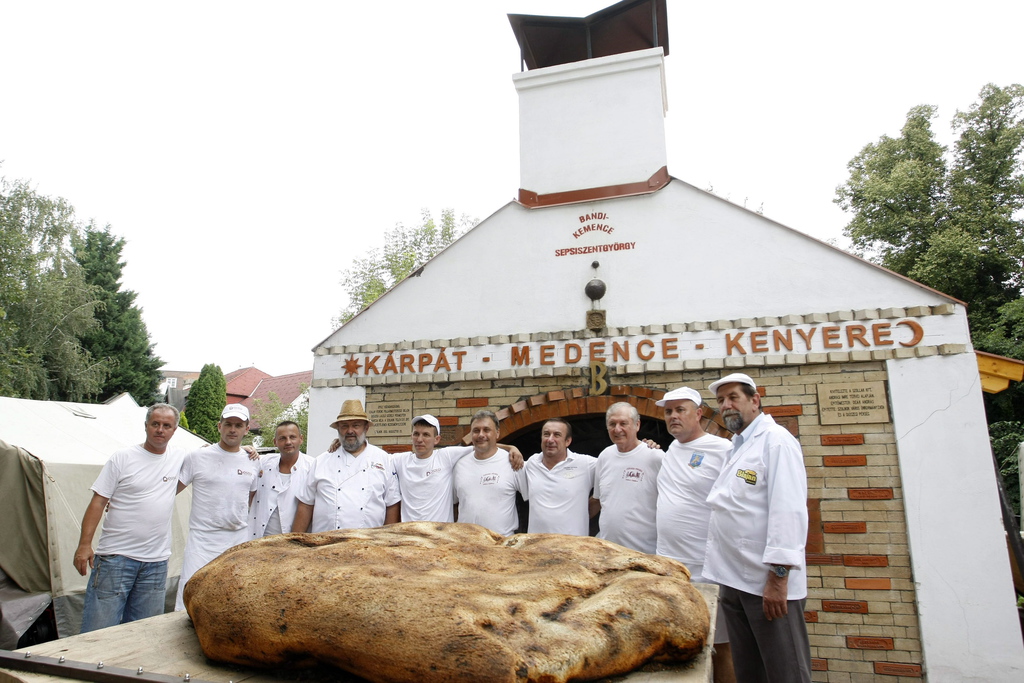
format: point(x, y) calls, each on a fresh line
point(780, 571)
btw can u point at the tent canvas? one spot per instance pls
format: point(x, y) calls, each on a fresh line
point(50, 454)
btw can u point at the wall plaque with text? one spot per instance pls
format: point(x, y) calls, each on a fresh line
point(852, 403)
point(390, 418)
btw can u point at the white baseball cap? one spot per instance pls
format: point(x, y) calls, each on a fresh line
point(235, 410)
point(429, 419)
point(736, 377)
point(680, 394)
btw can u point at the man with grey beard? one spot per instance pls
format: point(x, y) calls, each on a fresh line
point(355, 487)
point(756, 537)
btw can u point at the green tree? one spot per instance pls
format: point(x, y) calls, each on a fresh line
point(206, 399)
point(954, 222)
point(45, 302)
point(405, 249)
point(120, 340)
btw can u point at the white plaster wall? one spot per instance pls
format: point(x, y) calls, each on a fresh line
point(696, 257)
point(324, 406)
point(969, 625)
point(592, 123)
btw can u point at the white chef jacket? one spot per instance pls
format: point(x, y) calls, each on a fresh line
point(275, 491)
point(759, 511)
point(350, 492)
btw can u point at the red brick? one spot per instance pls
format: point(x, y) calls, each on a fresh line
point(865, 560)
point(845, 606)
point(642, 392)
point(869, 494)
point(578, 392)
point(815, 540)
point(826, 560)
point(819, 664)
point(396, 447)
point(845, 460)
point(451, 420)
point(761, 391)
point(472, 402)
point(865, 643)
point(845, 527)
point(894, 669)
point(811, 617)
point(784, 411)
point(619, 390)
point(790, 423)
point(842, 439)
point(518, 406)
point(538, 399)
point(865, 584)
point(556, 395)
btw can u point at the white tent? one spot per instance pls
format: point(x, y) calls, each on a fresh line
point(50, 454)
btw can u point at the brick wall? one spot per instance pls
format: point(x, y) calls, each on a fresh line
point(861, 608)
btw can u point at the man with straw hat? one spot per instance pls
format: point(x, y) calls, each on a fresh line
point(353, 488)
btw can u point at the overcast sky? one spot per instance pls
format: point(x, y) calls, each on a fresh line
point(248, 151)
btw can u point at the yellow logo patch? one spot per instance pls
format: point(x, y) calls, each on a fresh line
point(749, 476)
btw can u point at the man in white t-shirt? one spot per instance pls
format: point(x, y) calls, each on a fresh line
point(626, 483)
point(273, 508)
point(486, 485)
point(129, 567)
point(688, 471)
point(353, 488)
point(425, 473)
point(223, 480)
point(559, 484)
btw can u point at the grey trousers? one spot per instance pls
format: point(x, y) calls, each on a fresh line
point(763, 651)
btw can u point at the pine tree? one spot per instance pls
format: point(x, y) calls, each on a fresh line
point(121, 340)
point(206, 399)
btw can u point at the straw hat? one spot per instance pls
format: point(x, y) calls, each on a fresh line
point(351, 410)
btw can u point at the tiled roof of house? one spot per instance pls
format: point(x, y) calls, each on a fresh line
point(242, 382)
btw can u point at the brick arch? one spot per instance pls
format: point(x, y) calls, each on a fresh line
point(575, 402)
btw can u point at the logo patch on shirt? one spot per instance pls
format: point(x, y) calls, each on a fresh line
point(260, 474)
point(749, 476)
point(167, 478)
point(696, 459)
point(377, 466)
point(434, 471)
point(633, 474)
point(489, 479)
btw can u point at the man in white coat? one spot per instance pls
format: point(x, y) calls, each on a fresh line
point(756, 539)
point(223, 480)
point(691, 466)
point(353, 488)
point(281, 474)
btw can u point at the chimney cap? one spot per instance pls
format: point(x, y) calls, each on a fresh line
point(624, 27)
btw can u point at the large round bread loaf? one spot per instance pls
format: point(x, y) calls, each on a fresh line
point(446, 602)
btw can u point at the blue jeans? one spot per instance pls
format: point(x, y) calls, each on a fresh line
point(121, 590)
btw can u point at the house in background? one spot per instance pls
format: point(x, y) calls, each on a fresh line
point(287, 388)
point(242, 382)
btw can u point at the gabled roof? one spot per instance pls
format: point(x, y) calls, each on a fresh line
point(726, 261)
point(242, 382)
point(287, 388)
